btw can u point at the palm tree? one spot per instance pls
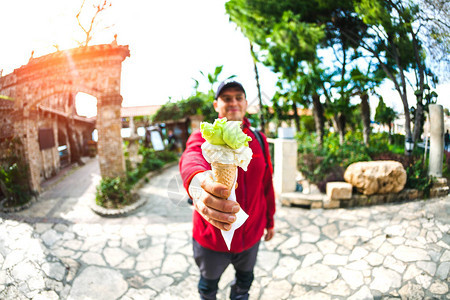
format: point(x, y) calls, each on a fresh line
point(213, 78)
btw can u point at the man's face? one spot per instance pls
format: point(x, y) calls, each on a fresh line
point(231, 104)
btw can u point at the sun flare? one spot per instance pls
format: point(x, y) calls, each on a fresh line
point(86, 105)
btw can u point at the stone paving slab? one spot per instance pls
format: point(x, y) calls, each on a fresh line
point(67, 252)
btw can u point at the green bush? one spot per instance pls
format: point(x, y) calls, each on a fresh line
point(167, 156)
point(152, 164)
point(198, 104)
point(113, 193)
point(321, 165)
point(307, 123)
point(316, 163)
point(417, 176)
point(14, 180)
point(14, 177)
point(398, 139)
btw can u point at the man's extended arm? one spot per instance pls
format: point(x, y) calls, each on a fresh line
point(211, 201)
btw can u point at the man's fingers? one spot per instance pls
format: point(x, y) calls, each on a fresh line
point(218, 219)
point(220, 225)
point(212, 214)
point(222, 205)
point(215, 188)
point(214, 207)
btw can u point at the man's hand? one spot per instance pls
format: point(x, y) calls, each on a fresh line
point(269, 234)
point(212, 204)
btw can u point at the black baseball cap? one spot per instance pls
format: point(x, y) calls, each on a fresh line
point(229, 83)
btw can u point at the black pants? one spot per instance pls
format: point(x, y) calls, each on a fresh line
point(212, 264)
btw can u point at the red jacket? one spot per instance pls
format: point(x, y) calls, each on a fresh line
point(255, 195)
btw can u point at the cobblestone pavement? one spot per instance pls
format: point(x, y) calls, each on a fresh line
point(59, 249)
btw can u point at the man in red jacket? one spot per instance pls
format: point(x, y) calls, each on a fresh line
point(254, 194)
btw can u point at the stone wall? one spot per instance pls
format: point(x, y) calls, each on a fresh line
point(111, 160)
point(6, 122)
point(49, 158)
point(8, 85)
point(45, 83)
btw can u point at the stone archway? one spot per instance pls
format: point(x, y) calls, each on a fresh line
point(95, 70)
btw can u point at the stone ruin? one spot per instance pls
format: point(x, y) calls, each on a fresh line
point(37, 106)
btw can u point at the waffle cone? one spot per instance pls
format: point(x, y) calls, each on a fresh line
point(224, 173)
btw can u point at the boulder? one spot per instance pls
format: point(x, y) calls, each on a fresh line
point(376, 177)
point(338, 190)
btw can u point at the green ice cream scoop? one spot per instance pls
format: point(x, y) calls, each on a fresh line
point(213, 132)
point(224, 132)
point(233, 135)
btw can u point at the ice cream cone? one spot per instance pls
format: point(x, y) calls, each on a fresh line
point(224, 173)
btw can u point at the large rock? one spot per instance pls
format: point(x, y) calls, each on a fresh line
point(376, 177)
point(339, 190)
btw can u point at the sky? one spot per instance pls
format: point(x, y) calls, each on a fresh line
point(170, 42)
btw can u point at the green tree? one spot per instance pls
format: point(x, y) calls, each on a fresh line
point(200, 103)
point(213, 78)
point(418, 117)
point(311, 85)
point(363, 85)
point(385, 115)
point(283, 41)
point(394, 41)
point(289, 33)
point(434, 17)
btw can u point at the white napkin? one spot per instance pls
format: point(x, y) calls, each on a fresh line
point(241, 217)
point(195, 190)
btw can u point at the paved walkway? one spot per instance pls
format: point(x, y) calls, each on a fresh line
point(60, 249)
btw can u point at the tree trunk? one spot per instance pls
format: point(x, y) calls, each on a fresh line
point(258, 87)
point(418, 121)
point(341, 117)
point(390, 133)
point(319, 119)
point(421, 73)
point(403, 94)
point(339, 124)
point(407, 117)
point(296, 116)
point(365, 116)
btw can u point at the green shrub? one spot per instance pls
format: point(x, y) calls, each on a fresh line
point(417, 176)
point(113, 193)
point(398, 139)
point(332, 159)
point(198, 104)
point(321, 165)
point(152, 164)
point(147, 152)
point(166, 156)
point(14, 176)
point(446, 167)
point(307, 123)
